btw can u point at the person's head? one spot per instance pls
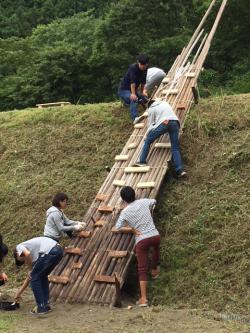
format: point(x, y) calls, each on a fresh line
point(142, 61)
point(127, 194)
point(19, 259)
point(3, 249)
point(60, 200)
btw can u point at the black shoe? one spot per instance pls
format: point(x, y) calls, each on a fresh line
point(181, 174)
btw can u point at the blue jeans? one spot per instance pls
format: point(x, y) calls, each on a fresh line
point(172, 128)
point(125, 96)
point(39, 276)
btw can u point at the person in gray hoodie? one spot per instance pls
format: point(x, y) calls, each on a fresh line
point(161, 120)
point(57, 222)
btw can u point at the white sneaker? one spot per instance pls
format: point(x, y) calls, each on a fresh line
point(139, 164)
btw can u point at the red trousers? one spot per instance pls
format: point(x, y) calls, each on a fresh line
point(142, 251)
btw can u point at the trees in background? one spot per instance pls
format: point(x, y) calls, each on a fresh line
point(82, 56)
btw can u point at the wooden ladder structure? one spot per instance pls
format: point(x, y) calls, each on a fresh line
point(95, 264)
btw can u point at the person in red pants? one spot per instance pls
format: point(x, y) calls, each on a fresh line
point(137, 214)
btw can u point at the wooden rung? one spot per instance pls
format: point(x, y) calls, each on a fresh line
point(137, 169)
point(163, 145)
point(58, 279)
point(140, 125)
point(121, 158)
point(190, 74)
point(77, 265)
point(100, 197)
point(166, 80)
point(181, 107)
point(105, 209)
point(100, 223)
point(44, 105)
point(145, 185)
point(173, 91)
point(118, 254)
point(124, 230)
point(105, 278)
point(118, 182)
point(132, 145)
point(73, 250)
point(84, 234)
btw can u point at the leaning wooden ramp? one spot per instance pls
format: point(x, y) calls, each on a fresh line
point(95, 263)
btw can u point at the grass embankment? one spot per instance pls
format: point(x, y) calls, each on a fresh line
point(204, 220)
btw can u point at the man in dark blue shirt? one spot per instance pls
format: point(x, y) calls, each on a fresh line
point(132, 87)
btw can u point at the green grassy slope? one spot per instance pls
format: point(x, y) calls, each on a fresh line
point(204, 221)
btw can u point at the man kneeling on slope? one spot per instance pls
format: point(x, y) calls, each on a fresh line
point(41, 255)
point(161, 120)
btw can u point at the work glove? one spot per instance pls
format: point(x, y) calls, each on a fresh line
point(83, 224)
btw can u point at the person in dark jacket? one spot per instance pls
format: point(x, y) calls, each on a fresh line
point(132, 87)
point(3, 253)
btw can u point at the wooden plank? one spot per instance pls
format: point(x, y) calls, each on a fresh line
point(106, 278)
point(118, 254)
point(140, 125)
point(121, 158)
point(124, 230)
point(190, 74)
point(162, 145)
point(100, 223)
point(173, 91)
point(132, 145)
point(137, 169)
point(101, 197)
point(45, 105)
point(105, 209)
point(146, 185)
point(84, 234)
point(77, 265)
point(58, 279)
point(181, 107)
point(73, 250)
point(166, 79)
point(118, 182)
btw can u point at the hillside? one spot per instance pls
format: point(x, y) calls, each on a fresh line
point(204, 221)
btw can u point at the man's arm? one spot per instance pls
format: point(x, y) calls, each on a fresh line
point(28, 262)
point(61, 227)
point(21, 290)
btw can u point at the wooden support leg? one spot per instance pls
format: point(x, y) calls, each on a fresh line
point(118, 298)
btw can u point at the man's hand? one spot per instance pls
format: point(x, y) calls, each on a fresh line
point(137, 232)
point(145, 93)
point(17, 297)
point(133, 97)
point(4, 277)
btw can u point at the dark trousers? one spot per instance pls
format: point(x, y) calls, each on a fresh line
point(39, 276)
point(142, 251)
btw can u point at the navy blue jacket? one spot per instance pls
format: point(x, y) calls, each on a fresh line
point(133, 75)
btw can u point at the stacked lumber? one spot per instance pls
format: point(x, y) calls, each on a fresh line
point(95, 264)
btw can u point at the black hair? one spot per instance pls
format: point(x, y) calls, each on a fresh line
point(59, 197)
point(127, 194)
point(17, 262)
point(143, 59)
point(3, 249)
point(150, 102)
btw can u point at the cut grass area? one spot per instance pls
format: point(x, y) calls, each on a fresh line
point(204, 221)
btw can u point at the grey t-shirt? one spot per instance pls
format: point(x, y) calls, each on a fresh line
point(36, 246)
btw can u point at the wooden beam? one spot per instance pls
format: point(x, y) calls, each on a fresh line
point(105, 278)
point(190, 74)
point(58, 279)
point(195, 95)
point(77, 265)
point(118, 254)
point(146, 185)
point(101, 197)
point(105, 209)
point(100, 223)
point(73, 250)
point(163, 145)
point(118, 182)
point(84, 234)
point(137, 169)
point(124, 230)
point(46, 105)
point(181, 107)
point(166, 79)
point(132, 145)
point(121, 158)
point(140, 125)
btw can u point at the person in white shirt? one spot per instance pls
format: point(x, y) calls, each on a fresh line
point(161, 120)
point(137, 213)
point(154, 77)
point(41, 255)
